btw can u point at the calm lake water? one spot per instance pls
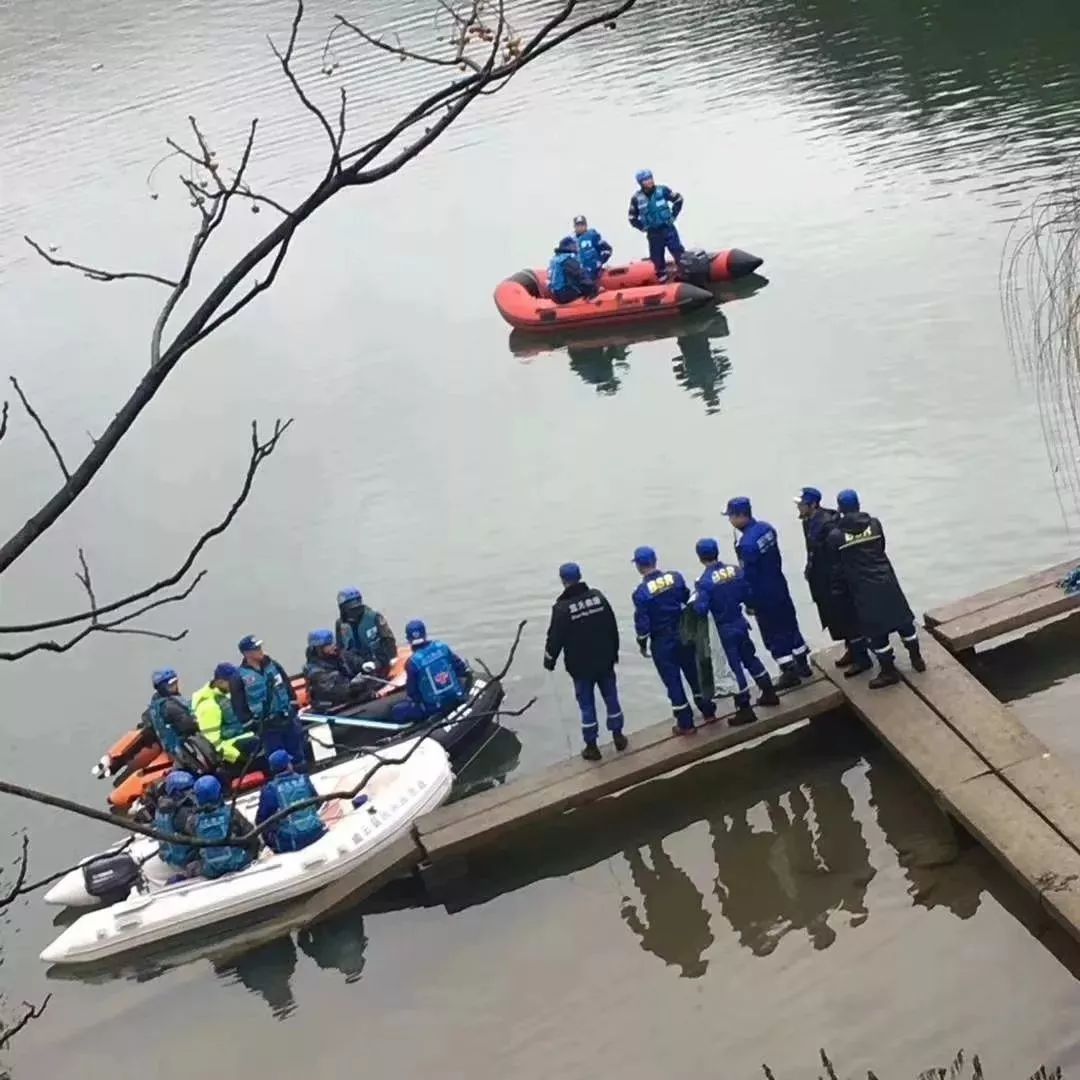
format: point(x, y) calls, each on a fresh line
point(756, 908)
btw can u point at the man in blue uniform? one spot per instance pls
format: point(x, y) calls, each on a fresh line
point(330, 681)
point(170, 714)
point(722, 589)
point(583, 627)
point(567, 278)
point(213, 820)
point(658, 606)
point(264, 700)
point(284, 789)
point(172, 814)
point(593, 250)
point(436, 678)
point(363, 635)
point(653, 210)
point(758, 551)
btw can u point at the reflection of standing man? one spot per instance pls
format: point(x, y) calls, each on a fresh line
point(676, 924)
point(267, 971)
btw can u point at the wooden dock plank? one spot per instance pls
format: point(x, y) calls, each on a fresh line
point(959, 609)
point(1052, 787)
point(938, 756)
point(971, 710)
point(442, 838)
point(1012, 614)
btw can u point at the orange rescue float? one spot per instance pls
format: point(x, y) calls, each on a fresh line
point(629, 294)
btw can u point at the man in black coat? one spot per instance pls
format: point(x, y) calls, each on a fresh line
point(858, 541)
point(828, 588)
point(583, 627)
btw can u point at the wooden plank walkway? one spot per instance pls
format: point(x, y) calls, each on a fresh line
point(1023, 602)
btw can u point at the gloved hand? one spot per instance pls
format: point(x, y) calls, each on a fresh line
point(368, 667)
point(549, 664)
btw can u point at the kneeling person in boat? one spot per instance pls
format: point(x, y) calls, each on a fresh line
point(363, 635)
point(436, 678)
point(288, 788)
point(169, 714)
point(217, 718)
point(330, 681)
point(593, 250)
point(173, 814)
point(213, 820)
point(567, 278)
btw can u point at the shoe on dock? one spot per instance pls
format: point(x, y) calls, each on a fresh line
point(591, 752)
point(619, 739)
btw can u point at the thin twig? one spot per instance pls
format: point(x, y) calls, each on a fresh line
point(33, 1012)
point(96, 273)
point(83, 578)
point(46, 434)
point(16, 889)
point(4, 420)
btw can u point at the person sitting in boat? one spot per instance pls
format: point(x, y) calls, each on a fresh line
point(593, 250)
point(363, 635)
point(436, 678)
point(217, 718)
point(567, 278)
point(653, 210)
point(213, 820)
point(173, 814)
point(330, 681)
point(286, 788)
point(168, 713)
point(264, 700)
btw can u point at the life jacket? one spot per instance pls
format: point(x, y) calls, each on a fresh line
point(302, 827)
point(655, 208)
point(360, 638)
point(589, 252)
point(228, 726)
point(557, 279)
point(169, 738)
point(440, 687)
point(213, 823)
point(165, 821)
point(267, 695)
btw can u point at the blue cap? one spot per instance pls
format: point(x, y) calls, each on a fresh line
point(207, 790)
point(415, 631)
point(707, 548)
point(178, 781)
point(739, 505)
point(579, 219)
point(642, 175)
point(163, 676)
point(319, 638)
point(279, 761)
point(224, 671)
point(570, 573)
point(567, 244)
point(249, 643)
point(847, 500)
point(349, 595)
point(644, 556)
point(809, 495)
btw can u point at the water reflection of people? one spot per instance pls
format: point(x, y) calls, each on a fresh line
point(267, 971)
point(597, 365)
point(700, 369)
point(338, 944)
point(675, 926)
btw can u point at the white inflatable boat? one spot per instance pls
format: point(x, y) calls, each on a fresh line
point(153, 911)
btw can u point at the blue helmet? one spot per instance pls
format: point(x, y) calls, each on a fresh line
point(349, 595)
point(319, 638)
point(567, 245)
point(178, 781)
point(644, 556)
point(163, 676)
point(415, 632)
point(569, 573)
point(642, 175)
point(279, 761)
point(707, 548)
point(207, 790)
point(847, 500)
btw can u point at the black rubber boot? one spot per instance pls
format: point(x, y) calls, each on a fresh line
point(913, 650)
point(591, 752)
point(846, 660)
point(857, 667)
point(789, 678)
point(803, 669)
point(743, 715)
point(768, 692)
point(887, 676)
point(619, 739)
point(677, 730)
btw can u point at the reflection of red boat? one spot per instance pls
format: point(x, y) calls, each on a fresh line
point(630, 294)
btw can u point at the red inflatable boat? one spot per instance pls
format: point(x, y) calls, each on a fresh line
point(629, 294)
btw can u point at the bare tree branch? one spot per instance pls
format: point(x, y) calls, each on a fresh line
point(96, 273)
point(83, 577)
point(33, 1012)
point(46, 434)
point(260, 451)
point(3, 420)
point(16, 890)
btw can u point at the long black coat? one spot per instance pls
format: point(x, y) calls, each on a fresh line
point(828, 588)
point(583, 627)
point(880, 605)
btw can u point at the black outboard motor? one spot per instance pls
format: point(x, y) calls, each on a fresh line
point(694, 267)
point(110, 878)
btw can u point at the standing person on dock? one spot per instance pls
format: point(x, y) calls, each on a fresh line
point(758, 551)
point(858, 541)
point(828, 589)
point(722, 589)
point(583, 627)
point(593, 249)
point(653, 210)
point(658, 606)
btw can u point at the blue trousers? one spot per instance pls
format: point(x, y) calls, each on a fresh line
point(743, 660)
point(661, 239)
point(585, 692)
point(780, 632)
point(415, 712)
point(880, 644)
point(675, 662)
point(289, 738)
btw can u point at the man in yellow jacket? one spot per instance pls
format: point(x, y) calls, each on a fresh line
point(217, 720)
